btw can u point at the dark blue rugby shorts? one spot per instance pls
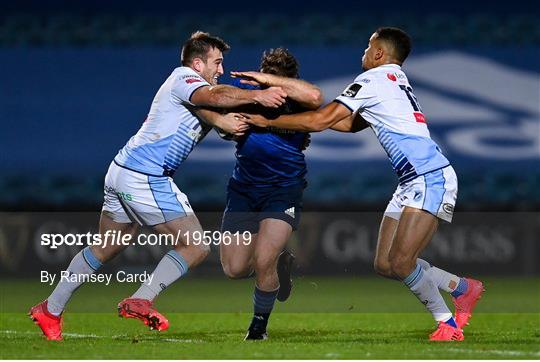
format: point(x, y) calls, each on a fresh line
point(248, 205)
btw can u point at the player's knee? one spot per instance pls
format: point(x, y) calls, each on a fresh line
point(235, 271)
point(382, 267)
point(204, 251)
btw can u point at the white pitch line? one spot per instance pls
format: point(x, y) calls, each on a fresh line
point(78, 335)
point(328, 355)
point(492, 351)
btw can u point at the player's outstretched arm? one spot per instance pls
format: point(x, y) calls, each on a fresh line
point(311, 121)
point(352, 123)
point(232, 123)
point(226, 96)
point(306, 94)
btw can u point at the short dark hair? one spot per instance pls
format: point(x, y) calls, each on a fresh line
point(198, 45)
point(399, 40)
point(279, 61)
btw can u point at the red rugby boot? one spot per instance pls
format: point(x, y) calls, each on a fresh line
point(143, 310)
point(50, 325)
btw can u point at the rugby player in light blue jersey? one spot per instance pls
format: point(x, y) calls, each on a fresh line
point(383, 98)
point(264, 195)
point(139, 189)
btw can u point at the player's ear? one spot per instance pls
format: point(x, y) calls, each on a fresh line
point(197, 64)
point(379, 53)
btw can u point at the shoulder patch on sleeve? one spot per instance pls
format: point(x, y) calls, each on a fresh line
point(192, 78)
point(351, 90)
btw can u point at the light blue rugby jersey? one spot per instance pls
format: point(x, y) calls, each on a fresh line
point(385, 99)
point(171, 130)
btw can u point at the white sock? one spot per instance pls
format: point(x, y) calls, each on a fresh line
point(171, 267)
point(427, 292)
point(84, 263)
point(443, 280)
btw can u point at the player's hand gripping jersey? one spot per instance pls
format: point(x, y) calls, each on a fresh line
point(170, 131)
point(385, 99)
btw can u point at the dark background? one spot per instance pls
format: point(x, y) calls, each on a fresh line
point(77, 79)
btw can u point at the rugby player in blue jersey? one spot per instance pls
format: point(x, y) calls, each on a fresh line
point(427, 191)
point(264, 195)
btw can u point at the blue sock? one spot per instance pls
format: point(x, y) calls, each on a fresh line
point(263, 303)
point(461, 288)
point(451, 322)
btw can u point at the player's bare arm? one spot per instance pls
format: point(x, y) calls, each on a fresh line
point(306, 94)
point(311, 121)
point(351, 124)
point(232, 123)
point(225, 96)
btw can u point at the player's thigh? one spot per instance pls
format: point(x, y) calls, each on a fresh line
point(272, 238)
point(385, 239)
point(110, 230)
point(185, 230)
point(240, 226)
point(414, 231)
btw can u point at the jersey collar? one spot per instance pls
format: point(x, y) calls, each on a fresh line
point(390, 66)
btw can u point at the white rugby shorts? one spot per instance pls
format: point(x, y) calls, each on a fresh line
point(131, 196)
point(434, 192)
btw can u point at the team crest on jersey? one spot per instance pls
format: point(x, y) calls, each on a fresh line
point(351, 90)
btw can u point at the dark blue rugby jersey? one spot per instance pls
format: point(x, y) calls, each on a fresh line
point(271, 156)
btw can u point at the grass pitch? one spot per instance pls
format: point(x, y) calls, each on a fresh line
point(330, 318)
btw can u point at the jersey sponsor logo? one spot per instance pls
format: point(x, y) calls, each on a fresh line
point(391, 76)
point(125, 196)
point(420, 118)
point(365, 80)
point(193, 80)
point(351, 90)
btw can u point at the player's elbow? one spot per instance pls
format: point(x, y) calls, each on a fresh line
point(315, 98)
